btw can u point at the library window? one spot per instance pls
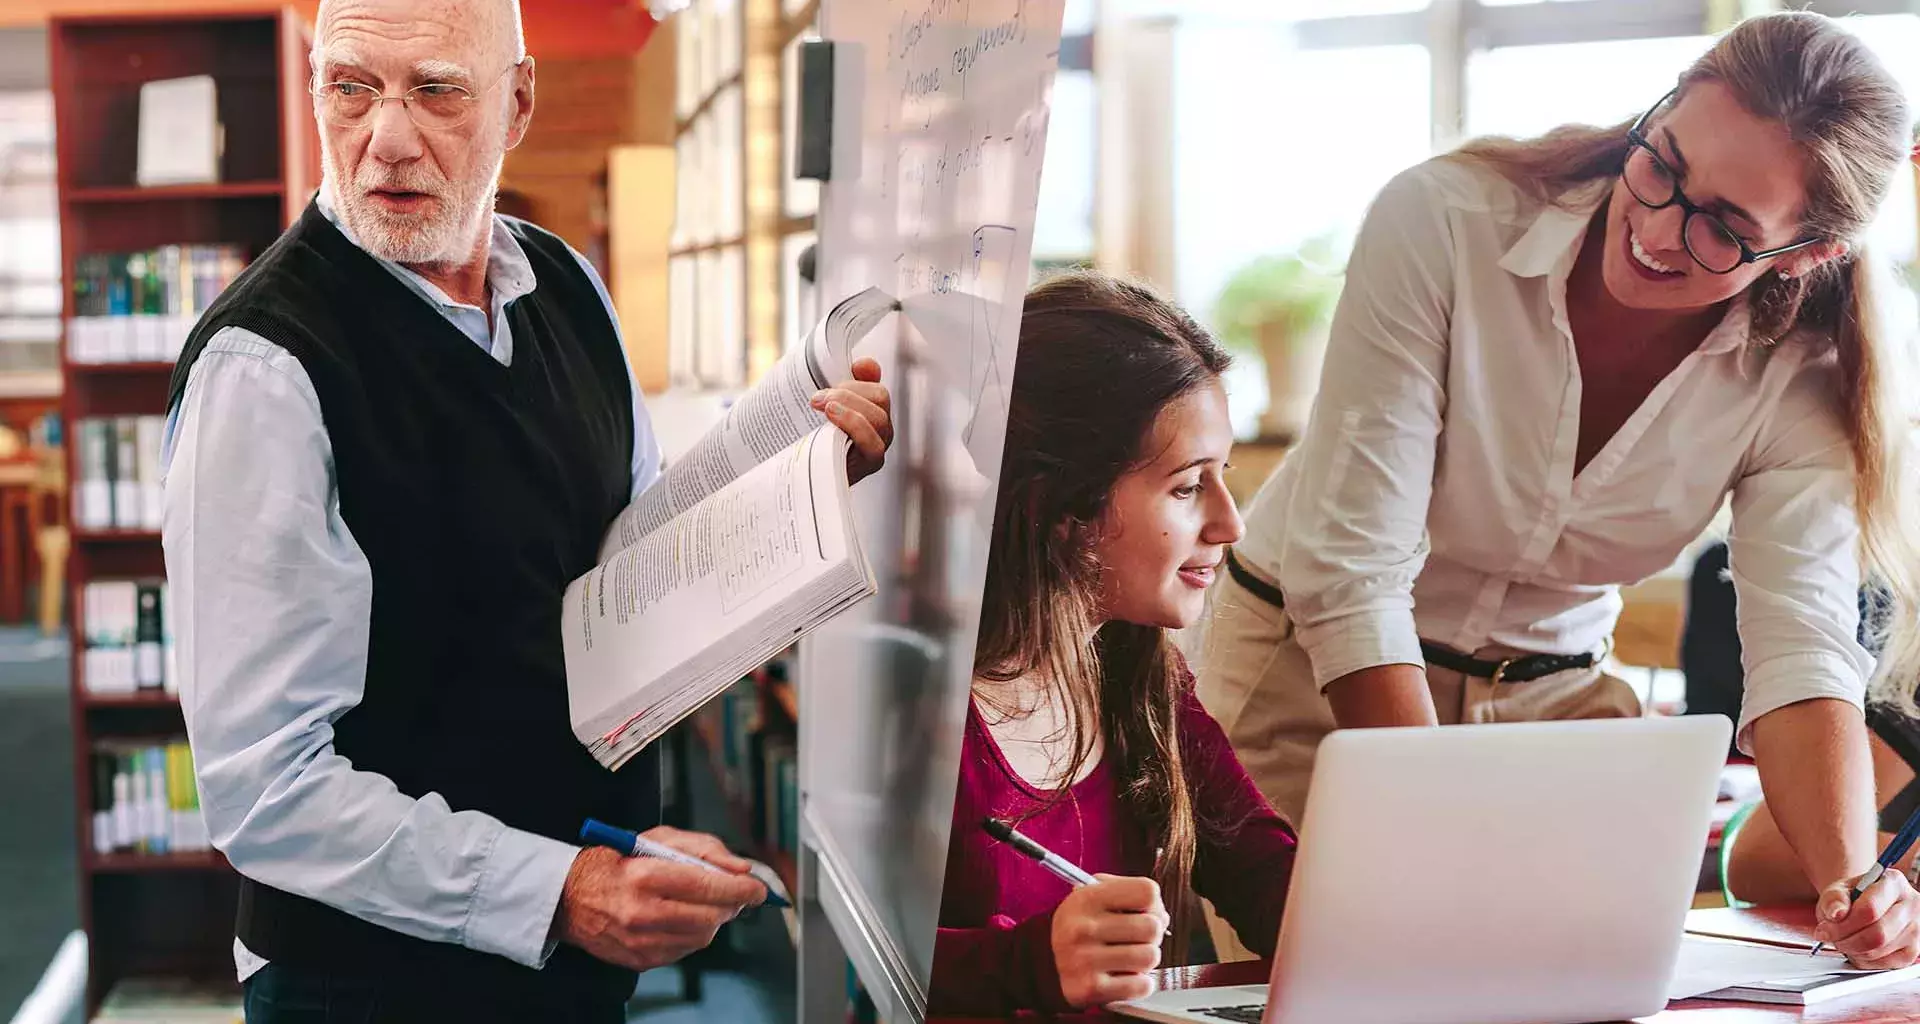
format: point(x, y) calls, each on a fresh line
point(1594, 83)
point(707, 299)
point(1063, 220)
point(1242, 194)
point(30, 292)
point(1895, 39)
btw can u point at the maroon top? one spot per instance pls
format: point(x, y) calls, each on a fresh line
point(994, 953)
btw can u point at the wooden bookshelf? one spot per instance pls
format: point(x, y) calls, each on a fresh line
point(137, 699)
point(160, 913)
point(142, 369)
point(144, 863)
point(163, 193)
point(116, 536)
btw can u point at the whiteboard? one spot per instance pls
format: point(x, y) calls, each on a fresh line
point(940, 117)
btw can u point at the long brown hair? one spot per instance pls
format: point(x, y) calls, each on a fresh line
point(1849, 118)
point(1098, 360)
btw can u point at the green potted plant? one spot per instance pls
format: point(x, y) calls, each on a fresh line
point(1277, 308)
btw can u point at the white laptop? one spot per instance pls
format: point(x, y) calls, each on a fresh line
point(1535, 873)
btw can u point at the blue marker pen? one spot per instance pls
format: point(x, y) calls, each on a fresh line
point(599, 833)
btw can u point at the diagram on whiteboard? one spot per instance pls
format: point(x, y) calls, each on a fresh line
point(990, 370)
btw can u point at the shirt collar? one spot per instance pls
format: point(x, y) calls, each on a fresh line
point(1548, 247)
point(1551, 243)
point(509, 272)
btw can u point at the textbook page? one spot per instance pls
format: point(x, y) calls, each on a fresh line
point(667, 623)
point(772, 415)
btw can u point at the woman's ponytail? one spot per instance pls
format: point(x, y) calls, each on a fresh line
point(1874, 360)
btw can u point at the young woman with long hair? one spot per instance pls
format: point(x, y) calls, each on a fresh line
point(1554, 359)
point(1084, 731)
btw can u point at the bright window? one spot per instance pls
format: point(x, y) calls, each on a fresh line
point(1895, 38)
point(30, 293)
point(1078, 17)
point(1527, 90)
point(1258, 167)
point(1262, 162)
point(1063, 221)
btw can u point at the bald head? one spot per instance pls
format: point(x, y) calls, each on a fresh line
point(490, 28)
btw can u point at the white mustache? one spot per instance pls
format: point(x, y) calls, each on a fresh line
point(398, 185)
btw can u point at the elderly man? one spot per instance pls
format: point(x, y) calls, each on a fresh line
point(392, 443)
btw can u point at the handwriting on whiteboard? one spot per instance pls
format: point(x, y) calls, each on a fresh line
point(930, 72)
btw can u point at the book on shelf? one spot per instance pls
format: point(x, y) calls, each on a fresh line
point(140, 306)
point(169, 1001)
point(128, 635)
point(736, 713)
point(772, 811)
point(180, 138)
point(144, 798)
point(758, 762)
point(737, 551)
point(118, 486)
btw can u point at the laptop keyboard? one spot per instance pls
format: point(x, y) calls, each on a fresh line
point(1238, 1014)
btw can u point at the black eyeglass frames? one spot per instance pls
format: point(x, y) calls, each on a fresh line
point(1708, 239)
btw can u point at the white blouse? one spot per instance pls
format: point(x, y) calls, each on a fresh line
point(1433, 493)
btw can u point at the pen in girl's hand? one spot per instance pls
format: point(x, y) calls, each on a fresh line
point(1067, 870)
point(1902, 842)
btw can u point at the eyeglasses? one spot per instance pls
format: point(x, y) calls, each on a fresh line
point(435, 106)
point(1708, 239)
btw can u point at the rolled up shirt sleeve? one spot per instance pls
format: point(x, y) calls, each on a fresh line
point(1794, 556)
point(1356, 517)
point(273, 601)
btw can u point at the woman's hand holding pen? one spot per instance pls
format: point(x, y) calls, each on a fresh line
point(1880, 930)
point(1106, 938)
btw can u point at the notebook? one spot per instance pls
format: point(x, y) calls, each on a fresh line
point(1793, 930)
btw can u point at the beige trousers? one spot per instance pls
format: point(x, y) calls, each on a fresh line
point(1257, 681)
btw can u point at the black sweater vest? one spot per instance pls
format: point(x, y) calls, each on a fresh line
point(477, 492)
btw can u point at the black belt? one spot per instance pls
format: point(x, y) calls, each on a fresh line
point(1511, 670)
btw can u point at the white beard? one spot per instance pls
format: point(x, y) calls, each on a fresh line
point(448, 235)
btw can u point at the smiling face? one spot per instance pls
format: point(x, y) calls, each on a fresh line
point(410, 194)
point(1729, 162)
point(1169, 519)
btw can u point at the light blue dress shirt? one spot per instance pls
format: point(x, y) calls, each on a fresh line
point(272, 607)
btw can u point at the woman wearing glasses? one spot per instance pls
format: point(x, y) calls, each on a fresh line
point(1553, 361)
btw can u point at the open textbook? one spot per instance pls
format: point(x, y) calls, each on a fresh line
point(739, 549)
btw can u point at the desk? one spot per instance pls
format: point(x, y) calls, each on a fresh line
point(1892, 1006)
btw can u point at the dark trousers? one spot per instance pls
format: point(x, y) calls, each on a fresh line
point(279, 994)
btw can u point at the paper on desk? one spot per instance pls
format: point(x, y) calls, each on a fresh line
point(1708, 965)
